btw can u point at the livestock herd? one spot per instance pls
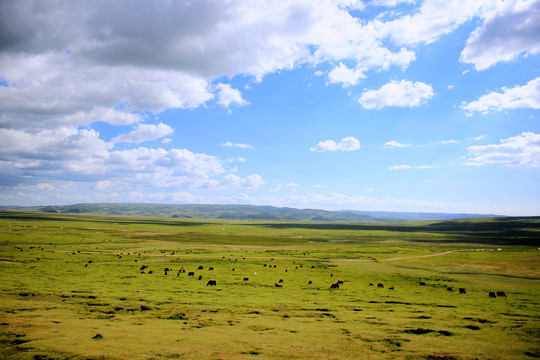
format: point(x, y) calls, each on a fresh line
point(333, 286)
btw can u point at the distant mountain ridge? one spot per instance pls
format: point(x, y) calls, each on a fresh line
point(237, 212)
point(416, 216)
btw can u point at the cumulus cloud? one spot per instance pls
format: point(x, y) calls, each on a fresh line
point(342, 74)
point(432, 20)
point(390, 3)
point(346, 144)
point(250, 182)
point(395, 144)
point(509, 30)
point(227, 95)
point(144, 132)
point(73, 63)
point(401, 94)
point(518, 97)
point(80, 155)
point(522, 149)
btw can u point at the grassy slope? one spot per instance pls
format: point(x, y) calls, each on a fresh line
point(54, 306)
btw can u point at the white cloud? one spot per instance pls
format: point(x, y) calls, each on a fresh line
point(406, 167)
point(433, 19)
point(449, 142)
point(238, 145)
point(102, 185)
point(434, 166)
point(509, 29)
point(166, 140)
point(346, 144)
point(395, 144)
point(73, 63)
point(226, 96)
point(399, 167)
point(480, 137)
point(519, 97)
point(390, 3)
point(523, 149)
point(80, 155)
point(342, 74)
point(401, 94)
point(250, 182)
point(144, 132)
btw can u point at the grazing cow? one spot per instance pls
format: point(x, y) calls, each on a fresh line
point(501, 294)
point(246, 279)
point(200, 277)
point(492, 294)
point(277, 285)
point(422, 283)
point(200, 268)
point(334, 286)
point(380, 285)
point(191, 273)
point(211, 283)
point(150, 272)
point(167, 269)
point(310, 282)
point(210, 269)
point(450, 289)
point(340, 282)
point(391, 288)
point(143, 267)
point(462, 291)
point(280, 281)
point(370, 284)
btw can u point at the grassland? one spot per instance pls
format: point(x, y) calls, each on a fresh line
point(72, 288)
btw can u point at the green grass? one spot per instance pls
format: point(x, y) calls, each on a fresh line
point(71, 287)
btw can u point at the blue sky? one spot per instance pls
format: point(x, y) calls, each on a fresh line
point(335, 104)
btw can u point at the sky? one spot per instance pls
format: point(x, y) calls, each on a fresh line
point(375, 105)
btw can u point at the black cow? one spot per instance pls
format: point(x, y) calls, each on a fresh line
point(422, 283)
point(246, 279)
point(280, 281)
point(340, 282)
point(191, 273)
point(380, 285)
point(370, 284)
point(200, 277)
point(450, 289)
point(277, 285)
point(210, 269)
point(310, 282)
point(143, 267)
point(391, 288)
point(492, 294)
point(462, 291)
point(211, 283)
point(167, 269)
point(200, 268)
point(334, 286)
point(150, 272)
point(501, 294)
